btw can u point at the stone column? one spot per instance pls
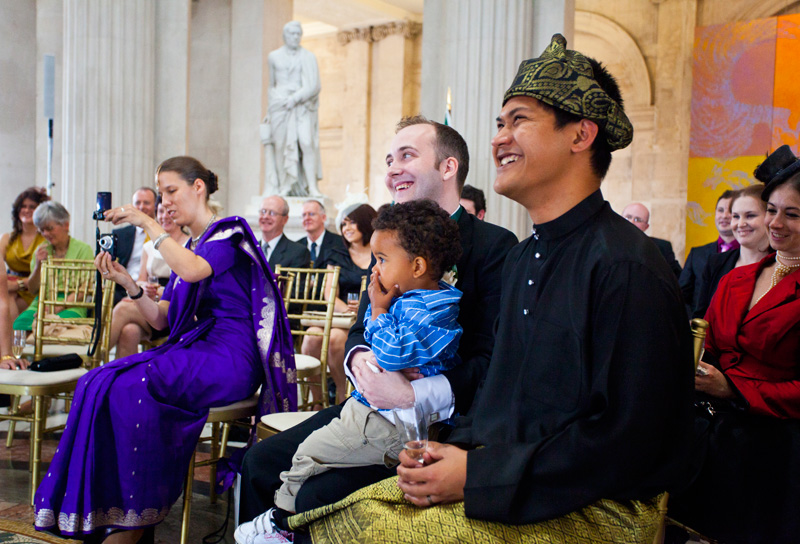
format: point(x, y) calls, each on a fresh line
point(49, 41)
point(19, 109)
point(474, 47)
point(171, 123)
point(108, 103)
point(256, 29)
point(673, 98)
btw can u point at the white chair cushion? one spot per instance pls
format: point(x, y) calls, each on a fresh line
point(29, 377)
point(285, 420)
point(305, 362)
point(246, 403)
point(53, 350)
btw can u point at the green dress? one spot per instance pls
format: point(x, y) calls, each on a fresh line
point(75, 250)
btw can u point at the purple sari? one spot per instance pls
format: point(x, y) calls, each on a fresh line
point(135, 422)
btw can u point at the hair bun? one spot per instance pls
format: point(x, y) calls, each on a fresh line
point(212, 185)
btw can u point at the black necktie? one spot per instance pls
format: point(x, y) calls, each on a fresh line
point(313, 251)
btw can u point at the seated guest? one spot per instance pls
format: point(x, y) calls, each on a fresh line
point(7, 360)
point(52, 220)
point(135, 422)
point(130, 239)
point(639, 215)
point(692, 274)
point(319, 241)
point(354, 258)
point(748, 212)
point(473, 201)
point(128, 325)
point(411, 324)
point(425, 160)
point(586, 406)
point(278, 249)
point(17, 248)
point(747, 488)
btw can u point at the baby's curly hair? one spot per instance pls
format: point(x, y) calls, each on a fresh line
point(423, 229)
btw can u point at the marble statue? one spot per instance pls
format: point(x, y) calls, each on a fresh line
point(290, 131)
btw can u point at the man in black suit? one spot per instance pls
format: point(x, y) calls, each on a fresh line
point(130, 239)
point(692, 274)
point(278, 249)
point(426, 160)
point(639, 215)
point(319, 241)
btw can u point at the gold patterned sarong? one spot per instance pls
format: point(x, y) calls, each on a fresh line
point(379, 513)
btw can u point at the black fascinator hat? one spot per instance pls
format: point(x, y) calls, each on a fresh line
point(779, 166)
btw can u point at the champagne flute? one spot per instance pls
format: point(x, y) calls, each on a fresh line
point(352, 300)
point(18, 345)
point(153, 280)
point(413, 428)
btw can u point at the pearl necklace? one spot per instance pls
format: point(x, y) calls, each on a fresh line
point(193, 244)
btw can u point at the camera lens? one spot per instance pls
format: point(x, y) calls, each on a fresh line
point(106, 242)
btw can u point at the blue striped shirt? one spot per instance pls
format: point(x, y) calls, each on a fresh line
point(419, 330)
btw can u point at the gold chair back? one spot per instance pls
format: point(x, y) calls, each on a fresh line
point(71, 284)
point(311, 288)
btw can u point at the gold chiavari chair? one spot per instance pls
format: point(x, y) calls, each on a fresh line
point(699, 331)
point(65, 284)
point(311, 289)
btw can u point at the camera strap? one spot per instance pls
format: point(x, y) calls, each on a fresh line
point(98, 298)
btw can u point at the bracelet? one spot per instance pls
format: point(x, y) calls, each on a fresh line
point(137, 295)
point(21, 285)
point(7, 358)
point(161, 237)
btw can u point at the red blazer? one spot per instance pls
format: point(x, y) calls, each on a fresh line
point(759, 349)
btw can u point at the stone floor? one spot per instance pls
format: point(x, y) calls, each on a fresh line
point(14, 492)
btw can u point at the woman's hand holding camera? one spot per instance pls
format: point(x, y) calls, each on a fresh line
point(112, 270)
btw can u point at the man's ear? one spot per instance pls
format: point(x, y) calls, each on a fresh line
point(420, 267)
point(448, 168)
point(481, 214)
point(585, 134)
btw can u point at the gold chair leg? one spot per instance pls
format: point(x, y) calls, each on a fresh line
point(12, 424)
point(187, 501)
point(37, 429)
point(212, 492)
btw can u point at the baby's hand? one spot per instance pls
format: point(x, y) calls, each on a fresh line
point(379, 297)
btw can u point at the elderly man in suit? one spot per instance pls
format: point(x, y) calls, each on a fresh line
point(426, 160)
point(130, 239)
point(278, 249)
point(319, 241)
point(639, 215)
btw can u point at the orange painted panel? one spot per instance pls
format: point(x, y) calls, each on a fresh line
point(732, 89)
point(786, 101)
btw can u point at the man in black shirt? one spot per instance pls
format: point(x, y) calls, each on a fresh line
point(588, 395)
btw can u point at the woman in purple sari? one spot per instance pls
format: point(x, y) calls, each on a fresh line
point(135, 422)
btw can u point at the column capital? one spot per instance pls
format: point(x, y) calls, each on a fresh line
point(376, 33)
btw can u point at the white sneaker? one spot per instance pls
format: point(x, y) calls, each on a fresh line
point(261, 530)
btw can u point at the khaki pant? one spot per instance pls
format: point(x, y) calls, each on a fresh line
point(359, 437)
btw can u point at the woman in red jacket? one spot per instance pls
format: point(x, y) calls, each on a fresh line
point(747, 486)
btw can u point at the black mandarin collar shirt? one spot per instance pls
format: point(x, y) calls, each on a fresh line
point(589, 391)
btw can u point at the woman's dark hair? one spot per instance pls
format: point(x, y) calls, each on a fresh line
point(425, 230)
point(35, 194)
point(362, 217)
point(190, 169)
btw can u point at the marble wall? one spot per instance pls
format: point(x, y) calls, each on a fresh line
point(209, 86)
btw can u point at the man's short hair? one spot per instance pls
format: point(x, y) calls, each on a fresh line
point(448, 143)
point(147, 188)
point(475, 195)
point(284, 204)
point(423, 229)
point(601, 151)
point(317, 202)
point(730, 193)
